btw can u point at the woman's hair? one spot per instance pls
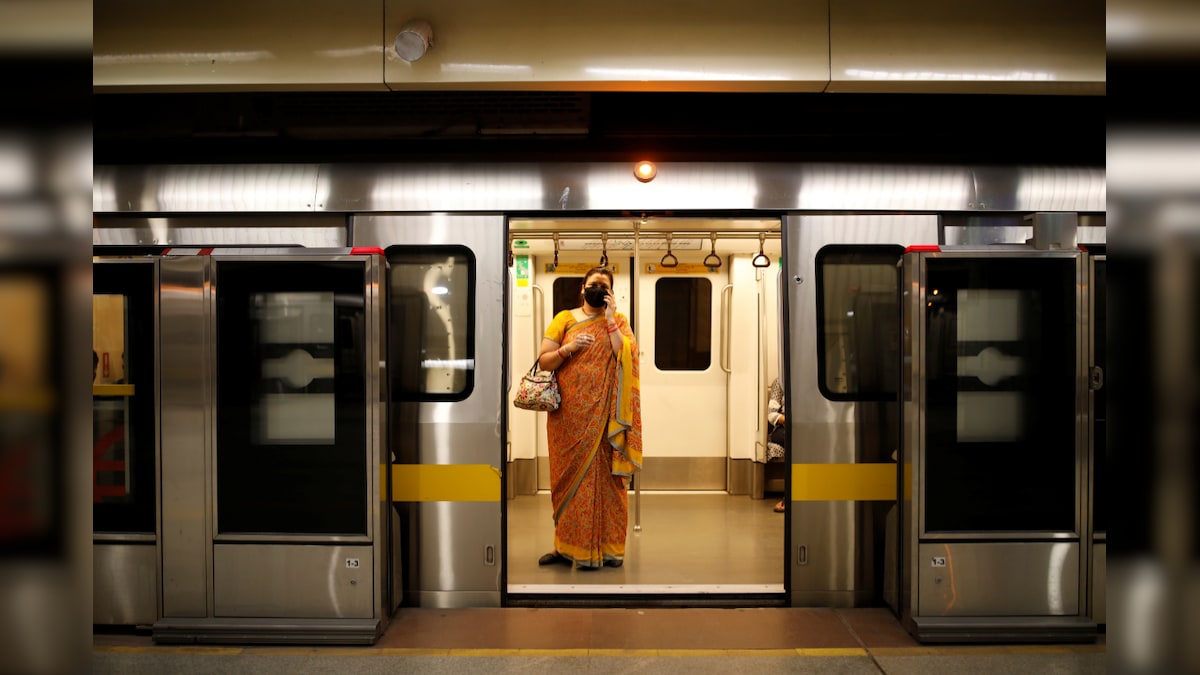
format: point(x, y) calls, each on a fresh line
point(599, 270)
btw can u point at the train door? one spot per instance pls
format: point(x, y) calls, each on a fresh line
point(842, 294)
point(124, 377)
point(445, 370)
point(272, 431)
point(706, 326)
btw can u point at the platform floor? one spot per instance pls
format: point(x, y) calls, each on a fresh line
point(670, 640)
point(740, 553)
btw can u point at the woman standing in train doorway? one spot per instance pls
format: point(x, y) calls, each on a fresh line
point(595, 436)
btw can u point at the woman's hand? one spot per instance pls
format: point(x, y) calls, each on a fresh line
point(610, 306)
point(582, 342)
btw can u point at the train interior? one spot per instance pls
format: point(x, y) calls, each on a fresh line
point(702, 294)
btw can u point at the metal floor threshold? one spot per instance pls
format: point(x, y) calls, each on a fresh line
point(645, 589)
point(631, 596)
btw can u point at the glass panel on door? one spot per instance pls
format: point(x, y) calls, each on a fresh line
point(432, 357)
point(1001, 369)
point(858, 320)
point(291, 398)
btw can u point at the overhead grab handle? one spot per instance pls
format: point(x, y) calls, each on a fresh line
point(555, 250)
point(604, 249)
point(761, 260)
point(671, 256)
point(712, 259)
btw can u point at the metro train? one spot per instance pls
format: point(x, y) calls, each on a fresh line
point(304, 380)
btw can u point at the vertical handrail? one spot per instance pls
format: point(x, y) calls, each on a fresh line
point(760, 361)
point(637, 252)
point(726, 317)
point(539, 319)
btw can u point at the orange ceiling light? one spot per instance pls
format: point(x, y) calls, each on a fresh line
point(645, 171)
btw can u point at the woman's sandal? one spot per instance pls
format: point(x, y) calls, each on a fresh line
point(553, 558)
point(779, 507)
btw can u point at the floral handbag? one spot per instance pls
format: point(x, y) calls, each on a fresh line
point(538, 390)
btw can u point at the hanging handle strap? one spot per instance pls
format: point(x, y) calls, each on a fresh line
point(761, 260)
point(712, 256)
point(674, 261)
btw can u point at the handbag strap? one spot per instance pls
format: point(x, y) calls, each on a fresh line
point(534, 368)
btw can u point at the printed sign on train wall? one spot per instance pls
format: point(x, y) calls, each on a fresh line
point(521, 270)
point(578, 268)
point(681, 268)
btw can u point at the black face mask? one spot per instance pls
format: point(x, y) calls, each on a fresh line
point(594, 295)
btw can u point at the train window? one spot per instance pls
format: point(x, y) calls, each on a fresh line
point(431, 328)
point(565, 293)
point(683, 324)
point(112, 464)
point(123, 398)
point(858, 318)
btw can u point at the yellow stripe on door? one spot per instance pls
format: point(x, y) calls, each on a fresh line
point(844, 482)
point(445, 483)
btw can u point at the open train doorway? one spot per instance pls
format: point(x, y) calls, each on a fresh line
point(702, 298)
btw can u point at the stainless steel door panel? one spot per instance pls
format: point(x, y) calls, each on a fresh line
point(998, 579)
point(124, 584)
point(293, 581)
point(455, 550)
point(829, 423)
point(186, 365)
point(822, 555)
point(459, 558)
point(831, 573)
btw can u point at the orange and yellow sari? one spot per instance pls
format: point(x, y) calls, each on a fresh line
point(595, 441)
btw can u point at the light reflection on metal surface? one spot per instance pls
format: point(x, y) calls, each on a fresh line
point(594, 186)
point(17, 166)
point(697, 186)
point(926, 76)
point(520, 70)
point(467, 188)
point(884, 188)
point(671, 74)
point(186, 58)
point(1056, 572)
point(1055, 189)
point(350, 52)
